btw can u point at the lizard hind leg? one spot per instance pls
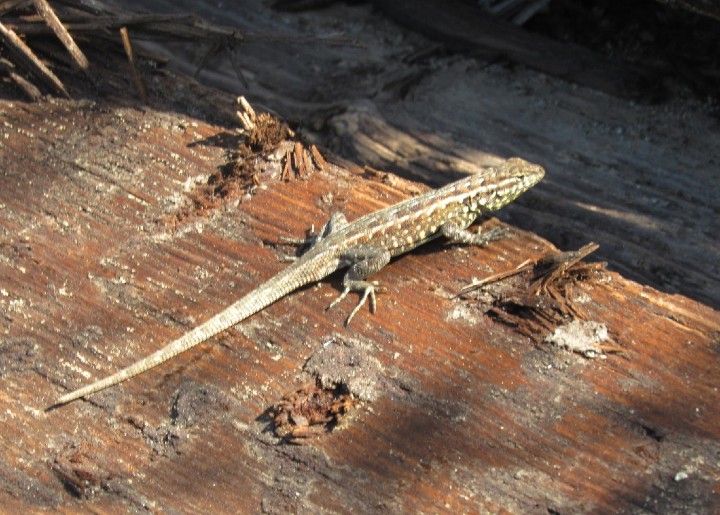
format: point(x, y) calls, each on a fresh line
point(365, 262)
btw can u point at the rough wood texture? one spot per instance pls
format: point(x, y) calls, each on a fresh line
point(96, 269)
point(104, 255)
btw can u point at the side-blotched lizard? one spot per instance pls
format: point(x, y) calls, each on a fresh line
point(365, 246)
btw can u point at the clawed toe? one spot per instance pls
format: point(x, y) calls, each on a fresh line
point(367, 289)
point(339, 298)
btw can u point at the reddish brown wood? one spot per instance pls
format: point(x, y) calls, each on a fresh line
point(96, 269)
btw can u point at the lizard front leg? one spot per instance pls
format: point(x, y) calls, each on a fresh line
point(336, 221)
point(365, 261)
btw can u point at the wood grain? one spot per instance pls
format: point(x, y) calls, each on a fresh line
point(96, 269)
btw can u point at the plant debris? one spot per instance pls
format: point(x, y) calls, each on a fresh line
point(540, 297)
point(310, 412)
point(25, 23)
point(266, 143)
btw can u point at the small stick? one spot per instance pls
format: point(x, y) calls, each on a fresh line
point(139, 84)
point(522, 267)
point(27, 86)
point(47, 14)
point(319, 159)
point(31, 61)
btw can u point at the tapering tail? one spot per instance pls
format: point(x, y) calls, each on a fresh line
point(299, 274)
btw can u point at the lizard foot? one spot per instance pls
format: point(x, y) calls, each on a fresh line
point(368, 290)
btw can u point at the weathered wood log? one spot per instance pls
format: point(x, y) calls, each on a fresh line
point(104, 257)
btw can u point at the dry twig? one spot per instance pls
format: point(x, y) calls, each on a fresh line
point(47, 13)
point(103, 21)
point(542, 289)
point(127, 45)
point(29, 60)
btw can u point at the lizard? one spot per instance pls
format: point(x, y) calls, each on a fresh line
point(363, 246)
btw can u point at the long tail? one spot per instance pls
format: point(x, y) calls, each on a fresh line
point(280, 285)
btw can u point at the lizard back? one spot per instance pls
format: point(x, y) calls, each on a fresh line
point(404, 226)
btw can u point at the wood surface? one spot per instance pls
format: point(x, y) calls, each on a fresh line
point(110, 247)
point(466, 414)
